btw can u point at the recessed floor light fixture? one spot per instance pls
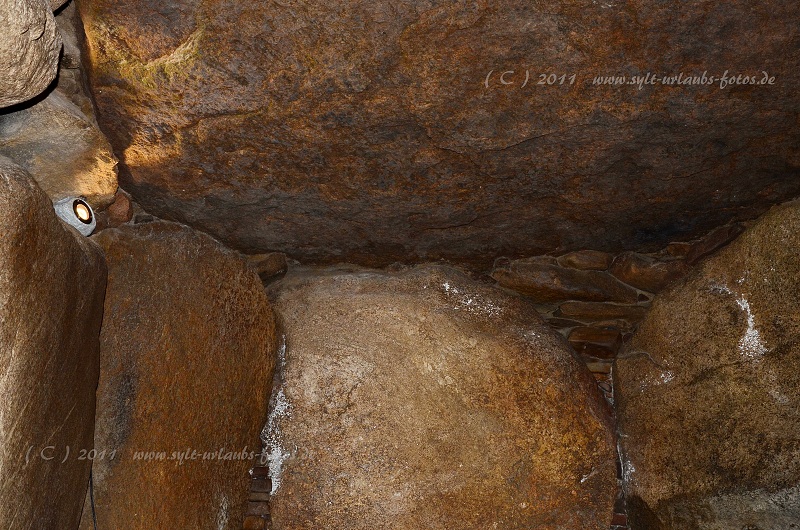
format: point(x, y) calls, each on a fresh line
point(76, 212)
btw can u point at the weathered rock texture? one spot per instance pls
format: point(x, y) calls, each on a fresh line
point(425, 400)
point(188, 353)
point(118, 213)
point(647, 273)
point(544, 280)
point(708, 391)
point(52, 282)
point(29, 49)
point(596, 299)
point(268, 266)
point(71, 72)
point(352, 131)
point(62, 148)
point(57, 4)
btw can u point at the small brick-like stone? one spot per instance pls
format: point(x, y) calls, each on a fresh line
point(544, 282)
point(268, 266)
point(260, 473)
point(252, 522)
point(258, 508)
point(599, 367)
point(563, 323)
point(120, 211)
point(596, 342)
point(586, 260)
point(714, 241)
point(645, 272)
point(624, 326)
point(594, 311)
point(259, 496)
point(261, 485)
point(678, 249)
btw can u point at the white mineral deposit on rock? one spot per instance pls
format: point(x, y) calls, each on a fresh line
point(222, 515)
point(271, 435)
point(472, 303)
point(750, 345)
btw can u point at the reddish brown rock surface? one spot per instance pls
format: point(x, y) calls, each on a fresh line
point(544, 282)
point(421, 399)
point(52, 282)
point(268, 266)
point(120, 211)
point(187, 359)
point(586, 260)
point(352, 131)
point(596, 342)
point(712, 242)
point(708, 391)
point(645, 272)
point(595, 311)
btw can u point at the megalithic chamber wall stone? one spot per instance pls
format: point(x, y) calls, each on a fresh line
point(52, 284)
point(424, 399)
point(29, 49)
point(708, 389)
point(365, 132)
point(188, 353)
point(62, 148)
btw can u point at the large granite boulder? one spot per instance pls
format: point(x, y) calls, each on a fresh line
point(62, 148)
point(380, 131)
point(52, 282)
point(29, 49)
point(708, 391)
point(423, 399)
point(187, 359)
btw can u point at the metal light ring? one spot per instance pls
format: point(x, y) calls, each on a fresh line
point(77, 213)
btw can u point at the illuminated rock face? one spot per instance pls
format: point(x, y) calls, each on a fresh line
point(365, 132)
point(187, 357)
point(708, 391)
point(52, 282)
point(62, 148)
point(423, 399)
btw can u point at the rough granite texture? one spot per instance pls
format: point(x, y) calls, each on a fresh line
point(365, 132)
point(423, 399)
point(52, 283)
point(29, 49)
point(708, 391)
point(187, 359)
point(62, 148)
point(72, 80)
